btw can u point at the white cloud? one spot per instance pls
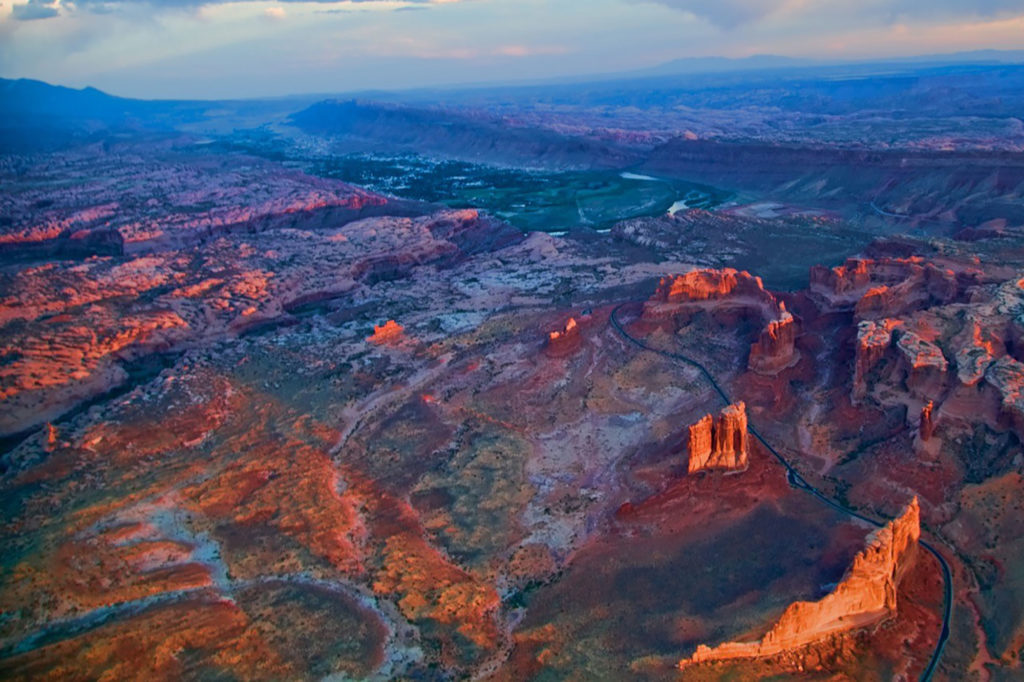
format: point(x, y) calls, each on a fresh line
point(832, 14)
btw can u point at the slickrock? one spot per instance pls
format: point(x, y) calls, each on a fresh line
point(566, 341)
point(774, 350)
point(720, 443)
point(94, 214)
point(864, 597)
point(389, 333)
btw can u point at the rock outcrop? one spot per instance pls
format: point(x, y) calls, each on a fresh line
point(1007, 376)
point(873, 340)
point(731, 295)
point(720, 443)
point(865, 596)
point(926, 427)
point(887, 287)
point(775, 349)
point(388, 333)
point(565, 341)
point(711, 285)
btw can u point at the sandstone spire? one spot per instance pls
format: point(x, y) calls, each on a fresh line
point(720, 443)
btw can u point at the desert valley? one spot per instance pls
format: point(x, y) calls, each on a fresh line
point(676, 377)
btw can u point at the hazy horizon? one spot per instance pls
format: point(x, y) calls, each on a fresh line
point(214, 50)
point(697, 66)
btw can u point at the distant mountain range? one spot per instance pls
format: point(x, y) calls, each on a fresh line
point(985, 84)
point(696, 65)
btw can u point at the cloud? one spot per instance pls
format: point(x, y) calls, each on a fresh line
point(46, 9)
point(730, 14)
point(954, 8)
point(725, 13)
point(92, 5)
point(35, 9)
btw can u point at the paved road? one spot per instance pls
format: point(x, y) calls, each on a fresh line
point(887, 214)
point(797, 481)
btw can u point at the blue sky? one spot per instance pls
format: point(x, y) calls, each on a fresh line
point(192, 48)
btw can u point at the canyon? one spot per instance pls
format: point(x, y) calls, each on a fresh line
point(260, 419)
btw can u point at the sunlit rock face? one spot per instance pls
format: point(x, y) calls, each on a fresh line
point(564, 341)
point(865, 596)
point(887, 287)
point(389, 333)
point(79, 327)
point(712, 285)
point(947, 340)
point(775, 348)
point(720, 443)
point(733, 297)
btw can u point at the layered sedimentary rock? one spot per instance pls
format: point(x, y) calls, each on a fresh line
point(847, 281)
point(731, 295)
point(710, 285)
point(886, 287)
point(1007, 376)
point(775, 349)
point(720, 443)
point(564, 341)
point(865, 596)
point(873, 340)
point(979, 347)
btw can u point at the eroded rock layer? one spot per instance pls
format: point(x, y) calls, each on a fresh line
point(720, 443)
point(865, 596)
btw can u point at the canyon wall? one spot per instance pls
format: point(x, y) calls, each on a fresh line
point(865, 596)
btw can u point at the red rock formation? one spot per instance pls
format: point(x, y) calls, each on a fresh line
point(774, 350)
point(865, 596)
point(389, 333)
point(925, 363)
point(841, 281)
point(927, 427)
point(51, 437)
point(709, 285)
point(566, 341)
point(1007, 376)
point(721, 443)
point(873, 340)
point(978, 350)
point(887, 287)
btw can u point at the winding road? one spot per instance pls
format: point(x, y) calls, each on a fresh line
point(798, 481)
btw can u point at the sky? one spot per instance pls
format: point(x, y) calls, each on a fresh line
point(224, 48)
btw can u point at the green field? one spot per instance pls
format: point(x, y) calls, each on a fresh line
point(531, 200)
